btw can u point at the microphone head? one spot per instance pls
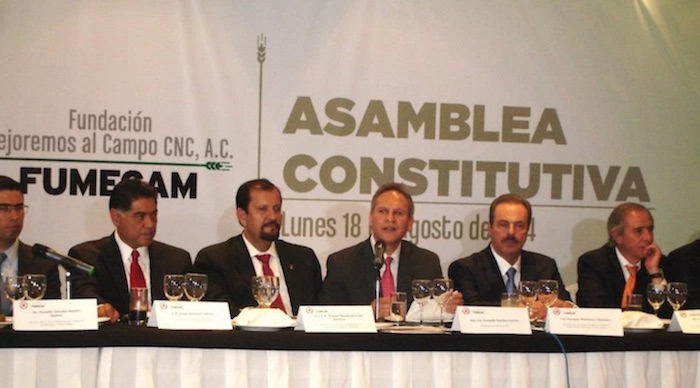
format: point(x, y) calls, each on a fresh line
point(39, 250)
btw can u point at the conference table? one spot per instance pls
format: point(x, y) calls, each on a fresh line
point(119, 355)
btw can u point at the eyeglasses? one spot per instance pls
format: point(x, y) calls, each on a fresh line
point(7, 209)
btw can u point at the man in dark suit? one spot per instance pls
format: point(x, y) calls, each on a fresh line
point(685, 267)
point(231, 265)
point(130, 256)
point(16, 258)
point(483, 276)
point(351, 275)
point(604, 274)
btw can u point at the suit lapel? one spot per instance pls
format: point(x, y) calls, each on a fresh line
point(115, 269)
point(241, 260)
point(618, 278)
point(493, 274)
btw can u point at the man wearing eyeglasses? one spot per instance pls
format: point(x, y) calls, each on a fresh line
point(16, 257)
point(499, 268)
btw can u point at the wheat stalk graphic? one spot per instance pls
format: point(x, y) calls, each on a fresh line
point(262, 47)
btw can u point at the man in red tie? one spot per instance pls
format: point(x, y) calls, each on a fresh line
point(625, 265)
point(258, 251)
point(129, 257)
point(351, 274)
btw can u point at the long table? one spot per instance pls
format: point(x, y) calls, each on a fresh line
point(122, 355)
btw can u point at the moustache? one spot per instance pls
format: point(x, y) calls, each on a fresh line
point(271, 223)
point(510, 238)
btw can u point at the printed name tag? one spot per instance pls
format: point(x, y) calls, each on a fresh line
point(687, 321)
point(54, 315)
point(584, 321)
point(491, 320)
point(336, 319)
point(185, 315)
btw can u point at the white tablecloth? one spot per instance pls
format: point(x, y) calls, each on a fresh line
point(198, 368)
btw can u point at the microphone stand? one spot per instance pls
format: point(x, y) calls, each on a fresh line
point(377, 288)
point(68, 285)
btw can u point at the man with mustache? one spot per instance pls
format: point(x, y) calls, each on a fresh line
point(483, 276)
point(625, 265)
point(232, 264)
point(129, 257)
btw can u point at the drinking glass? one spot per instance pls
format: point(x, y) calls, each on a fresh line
point(529, 289)
point(420, 288)
point(397, 314)
point(35, 286)
point(549, 292)
point(441, 290)
point(195, 286)
point(265, 289)
point(676, 294)
point(656, 295)
point(15, 288)
point(173, 286)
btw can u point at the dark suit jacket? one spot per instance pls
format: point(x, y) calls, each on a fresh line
point(30, 264)
point(684, 266)
point(480, 281)
point(350, 274)
point(109, 284)
point(230, 270)
point(601, 281)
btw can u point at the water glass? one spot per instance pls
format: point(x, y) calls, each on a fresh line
point(138, 306)
point(677, 293)
point(656, 295)
point(549, 292)
point(15, 288)
point(173, 286)
point(35, 286)
point(420, 288)
point(397, 313)
point(195, 286)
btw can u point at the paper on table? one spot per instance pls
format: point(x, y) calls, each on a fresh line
point(640, 320)
point(263, 317)
point(431, 313)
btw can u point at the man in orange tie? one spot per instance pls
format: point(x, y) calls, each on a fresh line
point(129, 257)
point(625, 265)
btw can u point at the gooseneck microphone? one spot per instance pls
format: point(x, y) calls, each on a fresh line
point(378, 255)
point(70, 262)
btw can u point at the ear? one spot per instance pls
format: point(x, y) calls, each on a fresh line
point(616, 235)
point(242, 217)
point(116, 217)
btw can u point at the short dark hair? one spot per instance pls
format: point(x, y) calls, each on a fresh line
point(616, 220)
point(397, 187)
point(243, 194)
point(130, 190)
point(7, 183)
point(510, 198)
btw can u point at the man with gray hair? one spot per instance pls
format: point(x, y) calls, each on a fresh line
point(625, 265)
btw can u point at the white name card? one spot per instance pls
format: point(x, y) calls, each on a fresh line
point(185, 315)
point(54, 315)
point(491, 320)
point(336, 319)
point(584, 321)
point(687, 321)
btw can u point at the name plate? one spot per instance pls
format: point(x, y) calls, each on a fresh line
point(687, 321)
point(185, 315)
point(336, 319)
point(491, 320)
point(584, 321)
point(54, 315)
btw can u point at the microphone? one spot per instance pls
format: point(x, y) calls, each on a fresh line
point(48, 253)
point(378, 255)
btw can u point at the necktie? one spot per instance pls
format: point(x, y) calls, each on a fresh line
point(387, 278)
point(629, 286)
point(5, 304)
point(510, 282)
point(267, 271)
point(136, 278)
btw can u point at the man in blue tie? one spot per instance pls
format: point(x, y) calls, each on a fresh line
point(499, 268)
point(16, 257)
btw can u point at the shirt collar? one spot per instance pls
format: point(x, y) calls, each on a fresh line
point(254, 251)
point(503, 264)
